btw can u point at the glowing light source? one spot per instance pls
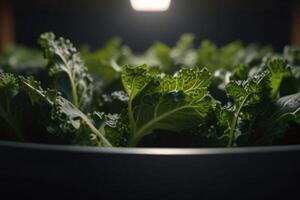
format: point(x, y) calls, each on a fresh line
point(150, 5)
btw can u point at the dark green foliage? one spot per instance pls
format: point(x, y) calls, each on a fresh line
point(68, 70)
point(233, 95)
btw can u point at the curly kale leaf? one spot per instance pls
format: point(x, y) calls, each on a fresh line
point(103, 64)
point(135, 79)
point(274, 122)
point(9, 89)
point(286, 109)
point(24, 107)
point(67, 116)
point(167, 59)
point(73, 120)
point(65, 63)
point(279, 70)
point(213, 58)
point(184, 53)
point(35, 92)
point(248, 97)
point(168, 103)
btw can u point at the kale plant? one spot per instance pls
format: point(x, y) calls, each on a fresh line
point(228, 96)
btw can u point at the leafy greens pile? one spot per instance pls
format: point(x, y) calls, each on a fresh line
point(233, 95)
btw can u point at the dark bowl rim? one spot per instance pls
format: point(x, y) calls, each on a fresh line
point(148, 151)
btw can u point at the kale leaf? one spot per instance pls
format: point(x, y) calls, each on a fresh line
point(247, 97)
point(236, 96)
point(168, 103)
point(65, 63)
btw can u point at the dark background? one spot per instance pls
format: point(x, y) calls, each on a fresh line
point(95, 21)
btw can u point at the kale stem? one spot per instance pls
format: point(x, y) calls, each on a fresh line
point(74, 91)
point(72, 82)
point(234, 122)
point(138, 135)
point(98, 134)
point(134, 140)
point(131, 117)
point(131, 121)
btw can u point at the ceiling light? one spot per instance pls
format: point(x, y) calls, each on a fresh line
point(150, 5)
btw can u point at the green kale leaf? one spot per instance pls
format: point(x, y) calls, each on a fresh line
point(9, 89)
point(279, 70)
point(275, 120)
point(248, 98)
point(168, 103)
point(71, 119)
point(65, 64)
point(104, 64)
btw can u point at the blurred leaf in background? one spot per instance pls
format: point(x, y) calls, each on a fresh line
point(22, 60)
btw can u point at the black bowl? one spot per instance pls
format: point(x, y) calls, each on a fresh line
point(73, 172)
